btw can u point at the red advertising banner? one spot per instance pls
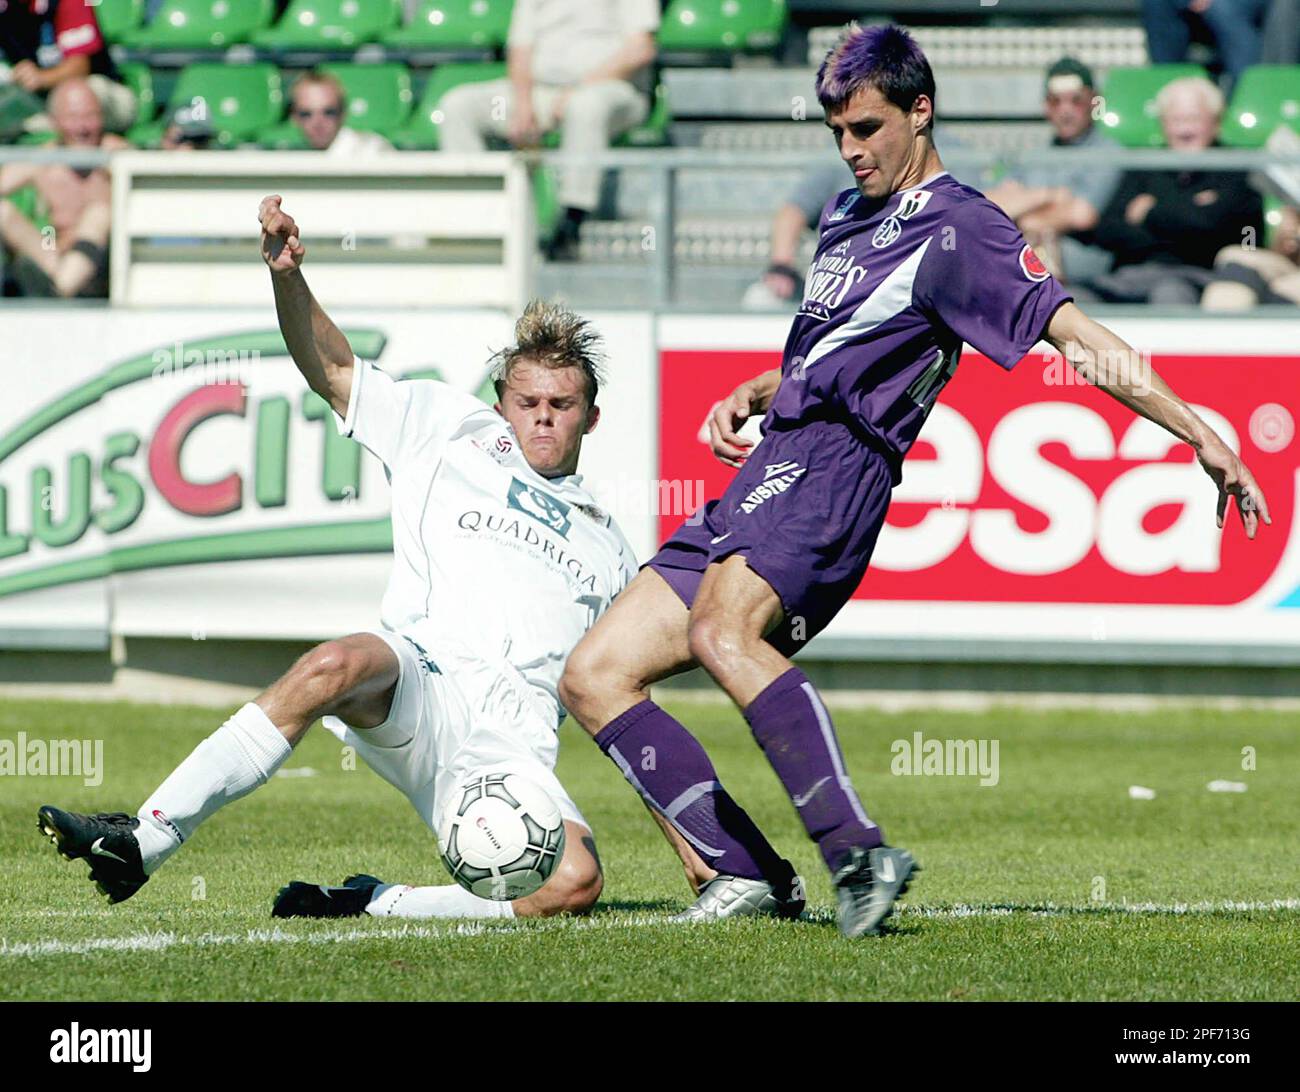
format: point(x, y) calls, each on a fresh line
point(1034, 487)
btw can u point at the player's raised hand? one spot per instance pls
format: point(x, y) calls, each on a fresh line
point(282, 248)
point(1233, 479)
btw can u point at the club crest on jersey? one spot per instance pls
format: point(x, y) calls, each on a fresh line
point(499, 449)
point(1032, 265)
point(887, 234)
point(842, 210)
point(544, 508)
point(912, 202)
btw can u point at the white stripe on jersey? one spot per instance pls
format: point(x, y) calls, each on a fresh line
point(892, 296)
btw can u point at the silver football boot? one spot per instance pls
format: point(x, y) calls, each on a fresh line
point(737, 897)
point(868, 885)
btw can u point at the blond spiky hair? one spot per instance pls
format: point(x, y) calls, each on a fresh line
point(551, 335)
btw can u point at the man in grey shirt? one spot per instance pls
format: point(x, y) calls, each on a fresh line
point(579, 66)
point(1056, 207)
point(782, 282)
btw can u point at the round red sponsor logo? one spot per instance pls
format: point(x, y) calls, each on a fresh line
point(1033, 265)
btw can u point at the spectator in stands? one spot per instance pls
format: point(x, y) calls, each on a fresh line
point(1281, 33)
point(580, 66)
point(1246, 276)
point(1165, 227)
point(188, 130)
point(783, 281)
point(1233, 25)
point(48, 42)
point(318, 105)
point(72, 258)
point(1056, 208)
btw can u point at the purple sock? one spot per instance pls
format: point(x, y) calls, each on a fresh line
point(794, 729)
point(669, 768)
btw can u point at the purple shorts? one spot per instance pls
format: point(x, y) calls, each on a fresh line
point(805, 511)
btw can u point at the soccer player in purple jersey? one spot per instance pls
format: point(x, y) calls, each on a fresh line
point(910, 265)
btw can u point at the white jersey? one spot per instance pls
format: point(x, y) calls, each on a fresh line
point(489, 557)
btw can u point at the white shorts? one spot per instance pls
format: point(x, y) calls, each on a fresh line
point(462, 716)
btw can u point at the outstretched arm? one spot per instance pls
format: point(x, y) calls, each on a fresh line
point(1109, 363)
point(752, 396)
point(317, 346)
point(14, 176)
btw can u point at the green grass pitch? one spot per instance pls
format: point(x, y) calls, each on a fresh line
point(1053, 884)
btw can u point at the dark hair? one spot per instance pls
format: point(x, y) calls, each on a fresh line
point(1069, 66)
point(884, 57)
point(553, 336)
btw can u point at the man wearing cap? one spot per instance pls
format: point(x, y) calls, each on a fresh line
point(1056, 207)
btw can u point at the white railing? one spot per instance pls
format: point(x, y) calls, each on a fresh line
point(459, 229)
point(458, 226)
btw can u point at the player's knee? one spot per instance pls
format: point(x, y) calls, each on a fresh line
point(575, 887)
point(582, 679)
point(327, 671)
point(712, 640)
point(572, 692)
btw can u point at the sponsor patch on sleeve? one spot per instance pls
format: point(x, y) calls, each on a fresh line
point(1032, 265)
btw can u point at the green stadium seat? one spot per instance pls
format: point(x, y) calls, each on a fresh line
point(243, 100)
point(422, 132)
point(147, 134)
point(27, 201)
point(454, 24)
point(284, 136)
point(733, 26)
point(118, 18)
point(139, 78)
point(1273, 207)
point(203, 24)
point(330, 24)
point(379, 95)
point(1266, 96)
point(653, 132)
point(1129, 98)
point(546, 201)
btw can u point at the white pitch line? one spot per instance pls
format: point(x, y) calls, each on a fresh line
point(1051, 910)
point(161, 941)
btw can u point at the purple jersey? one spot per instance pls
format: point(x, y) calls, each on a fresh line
point(893, 291)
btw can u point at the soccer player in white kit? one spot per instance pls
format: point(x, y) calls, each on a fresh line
point(501, 562)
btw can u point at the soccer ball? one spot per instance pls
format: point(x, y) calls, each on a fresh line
point(501, 836)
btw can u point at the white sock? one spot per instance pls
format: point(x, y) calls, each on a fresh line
point(395, 900)
point(238, 757)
